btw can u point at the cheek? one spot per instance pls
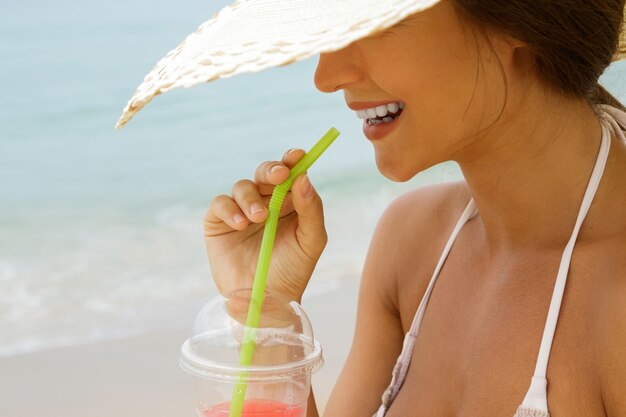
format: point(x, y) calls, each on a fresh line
point(444, 103)
point(443, 87)
point(447, 108)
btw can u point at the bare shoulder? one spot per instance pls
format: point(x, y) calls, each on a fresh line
point(416, 226)
point(406, 229)
point(427, 206)
point(420, 215)
point(611, 330)
point(379, 329)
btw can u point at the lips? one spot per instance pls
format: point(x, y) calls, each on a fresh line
point(378, 131)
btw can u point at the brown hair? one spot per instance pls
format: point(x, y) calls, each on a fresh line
point(573, 41)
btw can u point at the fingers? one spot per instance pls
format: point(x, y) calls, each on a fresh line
point(272, 173)
point(224, 211)
point(244, 206)
point(311, 231)
point(292, 156)
point(249, 200)
point(246, 194)
point(269, 174)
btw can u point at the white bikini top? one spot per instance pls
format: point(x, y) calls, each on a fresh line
point(535, 403)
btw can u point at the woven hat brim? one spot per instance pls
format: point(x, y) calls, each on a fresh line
point(252, 35)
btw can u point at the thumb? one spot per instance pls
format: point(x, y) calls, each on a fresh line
point(311, 233)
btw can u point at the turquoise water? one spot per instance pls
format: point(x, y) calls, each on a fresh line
point(100, 230)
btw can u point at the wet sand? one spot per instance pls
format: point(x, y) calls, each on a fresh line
point(139, 376)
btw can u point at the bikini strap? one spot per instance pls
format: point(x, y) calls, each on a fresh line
point(469, 211)
point(536, 397)
point(617, 119)
point(404, 360)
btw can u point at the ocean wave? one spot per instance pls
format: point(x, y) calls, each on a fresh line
point(131, 271)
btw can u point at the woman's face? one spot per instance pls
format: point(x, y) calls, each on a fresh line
point(429, 62)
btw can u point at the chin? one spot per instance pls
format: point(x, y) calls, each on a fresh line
point(395, 171)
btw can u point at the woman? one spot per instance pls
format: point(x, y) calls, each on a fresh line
point(509, 91)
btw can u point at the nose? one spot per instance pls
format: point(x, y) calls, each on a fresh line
point(337, 69)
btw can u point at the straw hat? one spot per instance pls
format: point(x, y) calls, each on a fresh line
point(252, 35)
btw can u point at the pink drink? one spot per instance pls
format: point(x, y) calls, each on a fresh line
point(257, 408)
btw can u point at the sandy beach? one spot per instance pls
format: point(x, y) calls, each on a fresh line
point(140, 375)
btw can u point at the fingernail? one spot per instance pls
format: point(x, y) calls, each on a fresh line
point(256, 208)
point(290, 150)
point(306, 188)
point(237, 218)
point(275, 168)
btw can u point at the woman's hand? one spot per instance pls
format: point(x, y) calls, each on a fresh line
point(233, 228)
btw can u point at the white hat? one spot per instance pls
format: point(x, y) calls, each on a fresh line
point(252, 35)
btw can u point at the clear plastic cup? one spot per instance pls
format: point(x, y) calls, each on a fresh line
point(278, 382)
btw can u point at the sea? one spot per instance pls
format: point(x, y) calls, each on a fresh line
point(101, 230)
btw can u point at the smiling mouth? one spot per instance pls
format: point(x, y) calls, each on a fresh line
point(388, 118)
point(377, 115)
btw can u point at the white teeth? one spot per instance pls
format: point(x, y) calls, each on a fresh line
point(387, 119)
point(379, 111)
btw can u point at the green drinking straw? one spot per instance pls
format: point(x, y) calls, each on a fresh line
point(267, 243)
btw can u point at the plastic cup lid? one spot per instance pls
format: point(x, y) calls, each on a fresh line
point(285, 346)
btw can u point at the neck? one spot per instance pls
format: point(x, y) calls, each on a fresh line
point(529, 174)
